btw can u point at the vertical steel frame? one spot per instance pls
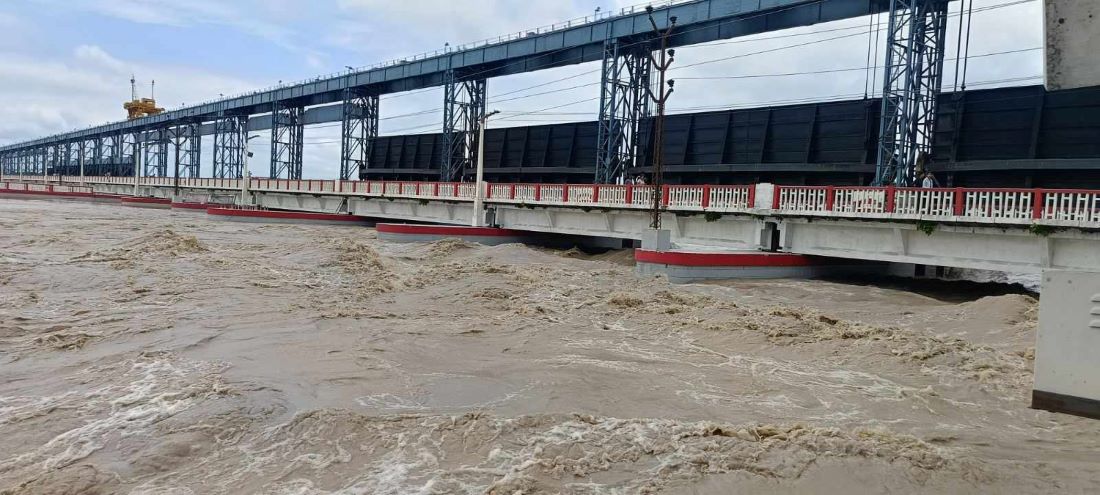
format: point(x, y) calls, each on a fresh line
point(624, 104)
point(463, 109)
point(189, 140)
point(127, 151)
point(357, 132)
point(230, 135)
point(911, 85)
point(155, 159)
point(286, 141)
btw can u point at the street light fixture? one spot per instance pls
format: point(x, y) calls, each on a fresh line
point(479, 185)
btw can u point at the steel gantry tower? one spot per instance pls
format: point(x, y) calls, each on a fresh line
point(155, 158)
point(187, 140)
point(358, 131)
point(286, 141)
point(911, 85)
point(463, 109)
point(230, 146)
point(624, 104)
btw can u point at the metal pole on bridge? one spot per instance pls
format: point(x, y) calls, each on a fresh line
point(479, 183)
point(246, 176)
point(660, 97)
point(137, 166)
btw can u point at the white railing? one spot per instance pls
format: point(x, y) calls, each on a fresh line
point(1071, 206)
point(1002, 204)
point(860, 200)
point(1019, 206)
point(924, 202)
point(802, 199)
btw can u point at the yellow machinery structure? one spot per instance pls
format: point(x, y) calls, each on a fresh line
point(137, 108)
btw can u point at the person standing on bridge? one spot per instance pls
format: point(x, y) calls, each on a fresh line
point(929, 181)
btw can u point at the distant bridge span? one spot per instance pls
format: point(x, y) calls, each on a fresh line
point(575, 42)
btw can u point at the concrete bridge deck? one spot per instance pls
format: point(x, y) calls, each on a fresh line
point(1017, 230)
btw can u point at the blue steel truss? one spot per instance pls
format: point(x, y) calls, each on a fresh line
point(358, 131)
point(155, 158)
point(463, 109)
point(230, 146)
point(286, 141)
point(624, 104)
point(188, 143)
point(911, 87)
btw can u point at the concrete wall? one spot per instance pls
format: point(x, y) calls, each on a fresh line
point(1072, 32)
point(1067, 371)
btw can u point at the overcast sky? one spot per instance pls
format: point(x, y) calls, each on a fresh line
point(66, 64)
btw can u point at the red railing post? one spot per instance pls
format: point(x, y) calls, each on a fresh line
point(830, 197)
point(706, 196)
point(488, 189)
point(596, 194)
point(775, 197)
point(959, 202)
point(629, 194)
point(538, 192)
point(456, 189)
point(891, 198)
point(752, 197)
point(435, 189)
point(512, 189)
point(664, 195)
point(1037, 204)
point(565, 193)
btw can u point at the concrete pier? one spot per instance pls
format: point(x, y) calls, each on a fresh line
point(1071, 30)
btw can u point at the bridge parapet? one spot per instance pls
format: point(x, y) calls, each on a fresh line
point(1055, 207)
point(1078, 208)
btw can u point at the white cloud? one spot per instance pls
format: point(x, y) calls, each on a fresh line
point(87, 88)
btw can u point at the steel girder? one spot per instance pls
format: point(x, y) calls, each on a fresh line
point(230, 146)
point(358, 131)
point(911, 85)
point(624, 104)
point(286, 141)
point(155, 158)
point(463, 110)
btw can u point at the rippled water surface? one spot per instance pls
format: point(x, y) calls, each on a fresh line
point(160, 352)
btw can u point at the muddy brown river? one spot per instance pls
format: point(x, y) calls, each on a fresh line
point(162, 352)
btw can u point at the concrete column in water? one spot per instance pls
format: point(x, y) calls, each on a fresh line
point(1067, 370)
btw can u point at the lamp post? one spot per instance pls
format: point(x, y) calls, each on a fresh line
point(479, 183)
point(246, 176)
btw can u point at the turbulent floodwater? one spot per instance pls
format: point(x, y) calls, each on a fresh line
point(158, 352)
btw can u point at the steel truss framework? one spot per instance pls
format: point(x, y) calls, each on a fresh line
point(230, 135)
point(286, 141)
point(358, 132)
point(624, 104)
point(463, 110)
point(96, 147)
point(127, 152)
point(913, 76)
point(155, 158)
point(73, 158)
point(188, 142)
